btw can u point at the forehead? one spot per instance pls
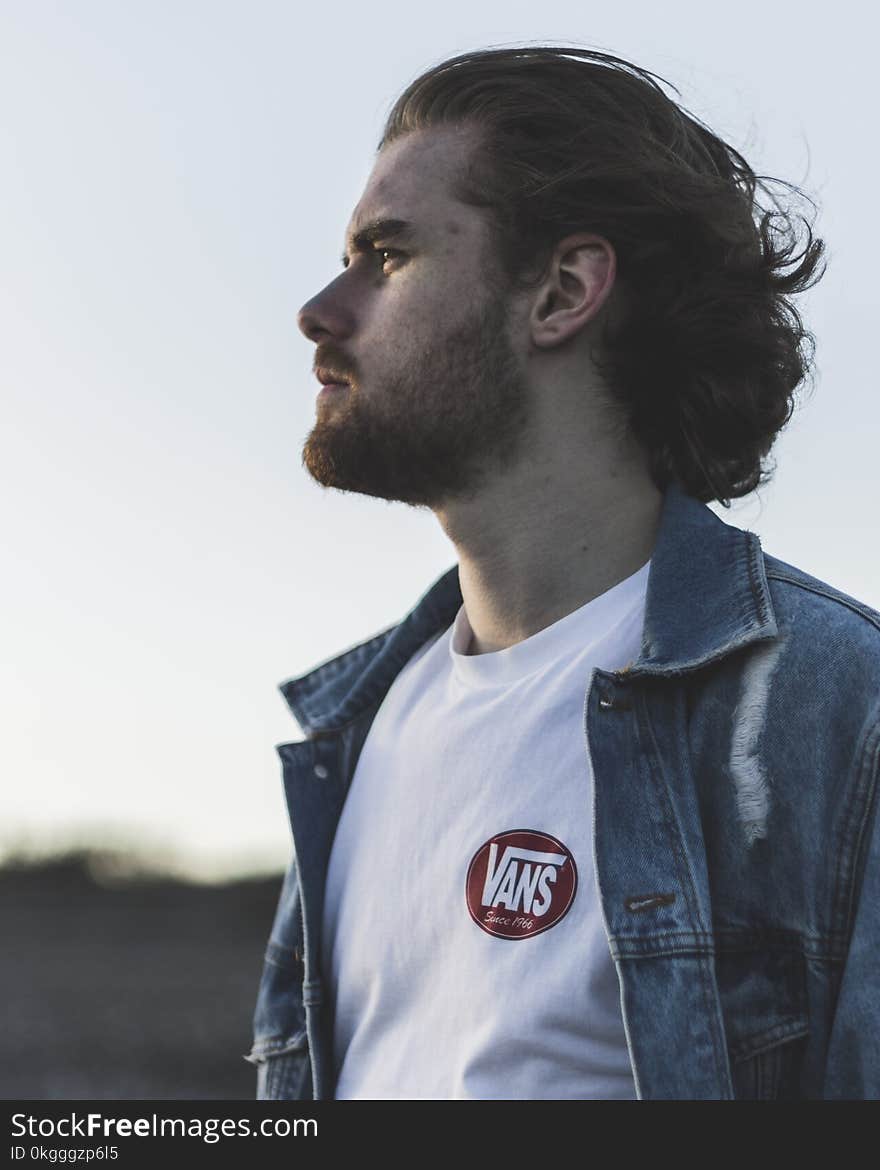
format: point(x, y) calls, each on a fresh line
point(413, 178)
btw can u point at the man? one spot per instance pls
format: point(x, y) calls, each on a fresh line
point(597, 819)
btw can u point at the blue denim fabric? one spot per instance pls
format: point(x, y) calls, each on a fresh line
point(736, 840)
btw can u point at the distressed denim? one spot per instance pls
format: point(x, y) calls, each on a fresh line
point(736, 842)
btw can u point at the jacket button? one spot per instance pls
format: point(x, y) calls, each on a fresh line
point(321, 772)
point(605, 704)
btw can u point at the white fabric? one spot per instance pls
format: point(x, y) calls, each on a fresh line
point(463, 748)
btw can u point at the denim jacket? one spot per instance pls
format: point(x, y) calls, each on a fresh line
point(736, 841)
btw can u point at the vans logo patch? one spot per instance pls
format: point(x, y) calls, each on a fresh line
point(520, 883)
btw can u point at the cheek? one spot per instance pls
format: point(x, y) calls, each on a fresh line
point(411, 312)
point(434, 305)
point(402, 316)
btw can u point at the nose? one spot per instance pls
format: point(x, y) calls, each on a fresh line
point(325, 316)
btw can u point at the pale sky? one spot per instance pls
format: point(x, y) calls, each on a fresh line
point(175, 179)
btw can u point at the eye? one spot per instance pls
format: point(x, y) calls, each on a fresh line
point(387, 255)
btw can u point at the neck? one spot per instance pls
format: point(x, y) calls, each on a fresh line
point(548, 536)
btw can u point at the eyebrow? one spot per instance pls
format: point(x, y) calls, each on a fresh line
point(374, 231)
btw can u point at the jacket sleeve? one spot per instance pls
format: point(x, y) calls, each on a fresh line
point(853, 1061)
point(280, 1050)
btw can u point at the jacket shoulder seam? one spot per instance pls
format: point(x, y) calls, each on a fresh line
point(864, 611)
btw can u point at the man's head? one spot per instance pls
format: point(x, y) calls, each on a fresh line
point(574, 235)
point(427, 334)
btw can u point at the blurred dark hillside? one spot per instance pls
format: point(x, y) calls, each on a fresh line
point(128, 988)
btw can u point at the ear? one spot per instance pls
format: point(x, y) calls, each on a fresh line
point(577, 283)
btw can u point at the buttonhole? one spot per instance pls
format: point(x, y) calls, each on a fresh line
point(636, 902)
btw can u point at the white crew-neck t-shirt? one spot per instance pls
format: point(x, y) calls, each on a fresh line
point(463, 938)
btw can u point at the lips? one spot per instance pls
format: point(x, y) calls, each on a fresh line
point(328, 378)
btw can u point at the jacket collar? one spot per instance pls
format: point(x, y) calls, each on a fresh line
point(707, 595)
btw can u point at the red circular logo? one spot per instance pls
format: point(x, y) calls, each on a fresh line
point(520, 883)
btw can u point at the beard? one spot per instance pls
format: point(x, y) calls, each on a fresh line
point(454, 411)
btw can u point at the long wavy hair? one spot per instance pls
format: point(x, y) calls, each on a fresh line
point(706, 356)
